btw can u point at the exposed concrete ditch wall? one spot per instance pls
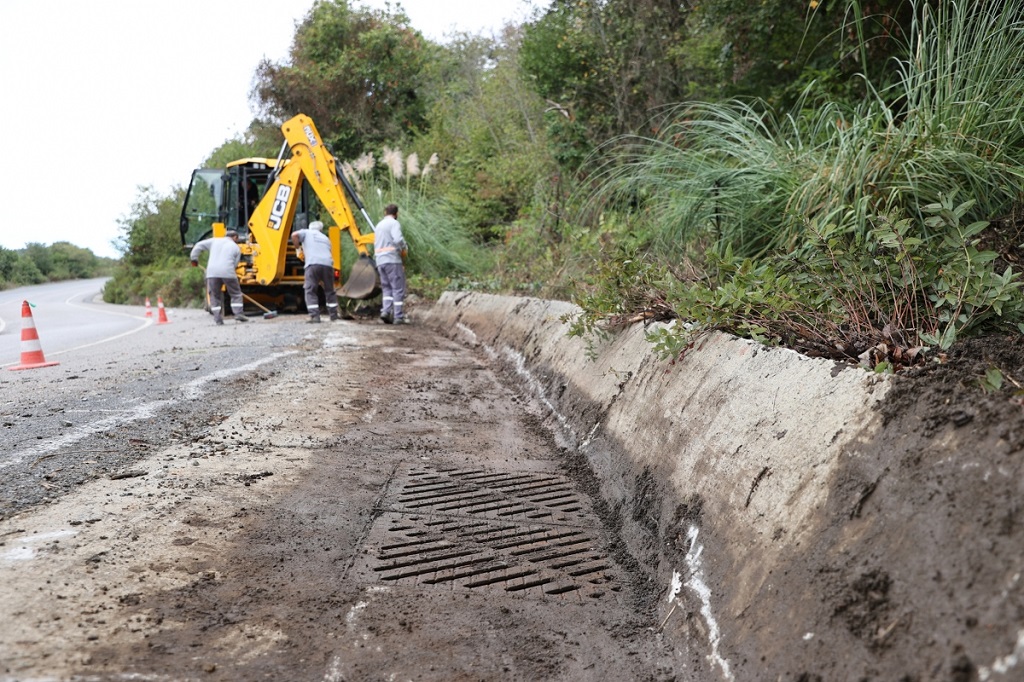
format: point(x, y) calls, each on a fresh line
point(718, 465)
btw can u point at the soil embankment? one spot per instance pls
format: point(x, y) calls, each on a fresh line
point(802, 520)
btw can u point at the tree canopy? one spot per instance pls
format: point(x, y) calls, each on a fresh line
point(357, 72)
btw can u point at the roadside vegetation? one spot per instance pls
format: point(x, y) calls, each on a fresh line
point(39, 263)
point(840, 178)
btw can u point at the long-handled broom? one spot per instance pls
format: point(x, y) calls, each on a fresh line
point(268, 314)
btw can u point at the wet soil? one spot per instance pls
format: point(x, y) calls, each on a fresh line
point(920, 561)
point(379, 506)
point(383, 503)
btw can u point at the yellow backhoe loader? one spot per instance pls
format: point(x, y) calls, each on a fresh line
point(264, 200)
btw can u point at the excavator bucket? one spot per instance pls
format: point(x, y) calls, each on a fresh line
point(362, 282)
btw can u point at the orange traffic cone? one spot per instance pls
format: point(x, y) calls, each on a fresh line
point(31, 351)
point(149, 309)
point(162, 317)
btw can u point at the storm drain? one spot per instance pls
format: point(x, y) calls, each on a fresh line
point(525, 533)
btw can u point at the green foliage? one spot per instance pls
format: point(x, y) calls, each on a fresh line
point(621, 284)
point(38, 263)
point(611, 66)
point(354, 71)
point(149, 234)
point(882, 298)
point(154, 263)
point(961, 284)
point(25, 271)
point(992, 381)
point(604, 66)
point(488, 128)
point(439, 247)
point(40, 256)
point(72, 262)
point(178, 285)
point(261, 140)
point(8, 259)
point(742, 175)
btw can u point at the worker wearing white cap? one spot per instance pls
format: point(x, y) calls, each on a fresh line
point(389, 249)
point(319, 269)
point(221, 274)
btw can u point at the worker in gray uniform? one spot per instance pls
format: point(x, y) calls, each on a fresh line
point(318, 270)
point(389, 249)
point(221, 272)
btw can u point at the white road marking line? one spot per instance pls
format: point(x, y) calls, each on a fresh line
point(190, 391)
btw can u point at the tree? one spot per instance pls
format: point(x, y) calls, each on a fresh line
point(488, 126)
point(154, 262)
point(72, 262)
point(611, 67)
point(772, 49)
point(261, 140)
point(26, 272)
point(150, 234)
point(355, 72)
point(40, 256)
point(604, 68)
point(8, 258)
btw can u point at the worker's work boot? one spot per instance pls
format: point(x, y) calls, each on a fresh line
point(314, 319)
point(217, 319)
point(241, 318)
point(334, 317)
point(386, 318)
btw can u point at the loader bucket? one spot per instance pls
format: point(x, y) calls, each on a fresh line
point(362, 282)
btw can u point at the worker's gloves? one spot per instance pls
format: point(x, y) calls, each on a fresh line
point(195, 264)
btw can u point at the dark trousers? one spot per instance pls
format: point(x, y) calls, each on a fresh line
point(230, 284)
point(320, 276)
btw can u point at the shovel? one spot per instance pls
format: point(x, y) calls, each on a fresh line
point(362, 282)
point(267, 313)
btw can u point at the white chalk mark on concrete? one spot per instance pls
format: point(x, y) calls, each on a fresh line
point(697, 584)
point(1004, 664)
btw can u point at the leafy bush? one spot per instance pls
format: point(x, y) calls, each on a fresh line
point(884, 299)
point(154, 263)
point(833, 229)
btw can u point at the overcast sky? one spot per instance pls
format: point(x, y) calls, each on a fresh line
point(100, 98)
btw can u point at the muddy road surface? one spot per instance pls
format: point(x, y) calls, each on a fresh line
point(286, 501)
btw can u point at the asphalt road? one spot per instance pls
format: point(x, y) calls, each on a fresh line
point(286, 501)
point(116, 370)
point(69, 317)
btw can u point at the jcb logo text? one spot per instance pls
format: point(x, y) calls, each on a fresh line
point(280, 206)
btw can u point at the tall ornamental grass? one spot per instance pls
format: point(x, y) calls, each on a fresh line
point(738, 174)
point(847, 230)
point(440, 249)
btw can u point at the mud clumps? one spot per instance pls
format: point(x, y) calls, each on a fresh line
point(864, 607)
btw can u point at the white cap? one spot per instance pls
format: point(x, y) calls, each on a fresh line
point(316, 225)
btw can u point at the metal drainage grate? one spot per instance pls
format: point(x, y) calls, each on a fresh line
point(525, 533)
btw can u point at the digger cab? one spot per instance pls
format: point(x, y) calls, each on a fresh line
point(223, 195)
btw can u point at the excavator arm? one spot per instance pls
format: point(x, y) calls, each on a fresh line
point(272, 220)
